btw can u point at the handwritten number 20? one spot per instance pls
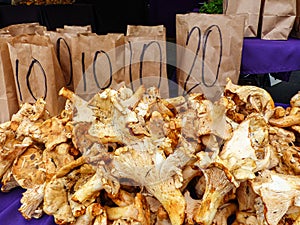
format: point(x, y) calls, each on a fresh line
point(206, 36)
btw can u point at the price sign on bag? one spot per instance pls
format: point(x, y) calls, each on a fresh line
point(140, 73)
point(97, 63)
point(95, 73)
point(37, 74)
point(31, 83)
point(62, 43)
point(145, 58)
point(209, 49)
point(213, 69)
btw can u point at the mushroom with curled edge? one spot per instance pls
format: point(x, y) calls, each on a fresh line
point(57, 190)
point(248, 150)
point(216, 187)
point(8, 181)
point(224, 212)
point(101, 180)
point(12, 149)
point(249, 99)
point(94, 213)
point(29, 171)
point(295, 100)
point(56, 158)
point(27, 121)
point(53, 132)
point(286, 121)
point(56, 201)
point(19, 133)
point(291, 115)
point(138, 211)
point(279, 192)
point(191, 206)
point(151, 169)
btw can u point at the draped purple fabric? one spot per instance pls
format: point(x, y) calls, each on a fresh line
point(270, 56)
point(9, 214)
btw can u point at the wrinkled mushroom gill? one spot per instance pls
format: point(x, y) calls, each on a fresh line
point(258, 132)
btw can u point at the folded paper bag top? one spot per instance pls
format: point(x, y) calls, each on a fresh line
point(249, 9)
point(278, 18)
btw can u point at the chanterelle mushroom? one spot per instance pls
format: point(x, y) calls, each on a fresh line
point(150, 168)
point(246, 197)
point(29, 171)
point(278, 192)
point(56, 199)
point(295, 100)
point(224, 212)
point(101, 180)
point(248, 150)
point(251, 98)
point(8, 181)
point(217, 186)
point(93, 211)
point(138, 211)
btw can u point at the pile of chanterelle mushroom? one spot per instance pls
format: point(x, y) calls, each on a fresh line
point(136, 158)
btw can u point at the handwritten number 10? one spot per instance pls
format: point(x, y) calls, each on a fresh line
point(142, 56)
point(28, 83)
point(94, 70)
point(206, 36)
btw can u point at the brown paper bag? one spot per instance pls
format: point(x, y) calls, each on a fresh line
point(61, 39)
point(209, 48)
point(36, 71)
point(8, 96)
point(145, 58)
point(25, 28)
point(98, 62)
point(77, 29)
point(296, 28)
point(62, 47)
point(225, 4)
point(249, 9)
point(278, 19)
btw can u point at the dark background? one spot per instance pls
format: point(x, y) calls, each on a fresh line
point(110, 16)
point(115, 15)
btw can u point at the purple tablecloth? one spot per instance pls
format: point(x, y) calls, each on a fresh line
point(268, 56)
point(9, 214)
